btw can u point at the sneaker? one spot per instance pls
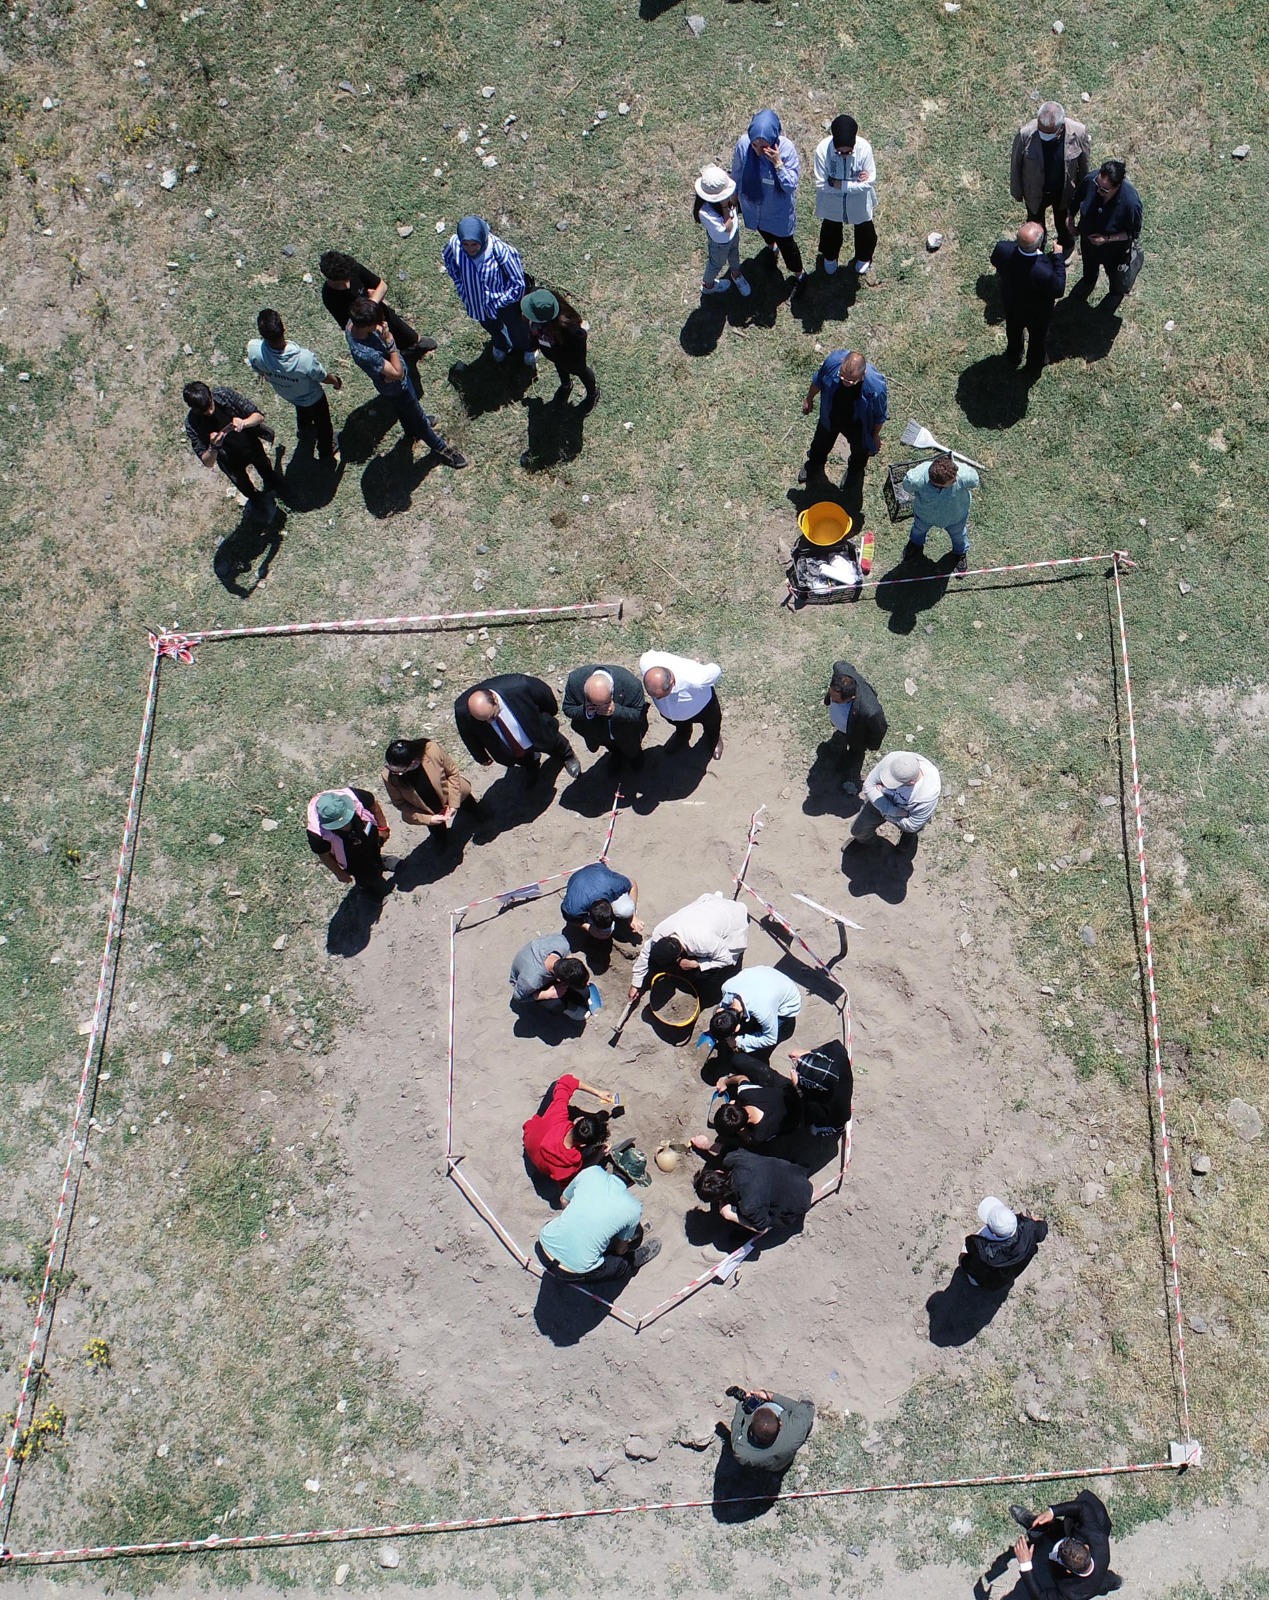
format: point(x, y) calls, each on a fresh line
point(961, 567)
point(719, 286)
point(830, 267)
point(530, 358)
point(572, 766)
point(743, 287)
point(589, 403)
point(863, 266)
point(799, 286)
point(647, 1251)
point(718, 751)
point(423, 347)
point(499, 355)
point(452, 458)
point(1022, 1516)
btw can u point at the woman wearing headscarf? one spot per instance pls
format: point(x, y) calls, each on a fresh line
point(560, 334)
point(489, 277)
point(846, 191)
point(765, 168)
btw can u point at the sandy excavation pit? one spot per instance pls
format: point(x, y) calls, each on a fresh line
point(837, 1311)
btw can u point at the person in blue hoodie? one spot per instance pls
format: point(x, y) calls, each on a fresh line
point(766, 169)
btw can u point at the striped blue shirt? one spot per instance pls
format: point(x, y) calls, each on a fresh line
point(487, 282)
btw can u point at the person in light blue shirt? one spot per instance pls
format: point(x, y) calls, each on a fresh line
point(757, 1010)
point(942, 492)
point(765, 169)
point(598, 899)
point(297, 376)
point(591, 1239)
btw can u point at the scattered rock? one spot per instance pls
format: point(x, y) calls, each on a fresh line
point(909, 686)
point(404, 230)
point(1109, 1169)
point(1197, 1323)
point(1085, 856)
point(966, 938)
point(1088, 936)
point(696, 26)
point(933, 242)
point(341, 1574)
point(1105, 801)
point(1185, 588)
point(1200, 1165)
point(171, 177)
point(268, 824)
point(1085, 96)
point(600, 1469)
point(347, 88)
point(389, 1556)
point(489, 161)
point(1059, 27)
point(280, 942)
point(561, 226)
point(640, 1449)
point(951, 7)
point(1245, 1120)
point(488, 92)
point(312, 1485)
point(215, 838)
point(960, 1525)
point(696, 1438)
point(162, 1450)
point(1091, 1193)
point(873, 1443)
point(623, 110)
point(1240, 152)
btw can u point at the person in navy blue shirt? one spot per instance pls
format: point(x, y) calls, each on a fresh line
point(1031, 284)
point(1108, 219)
point(852, 396)
point(600, 900)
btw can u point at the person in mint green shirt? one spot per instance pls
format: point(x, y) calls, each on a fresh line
point(599, 1234)
point(297, 376)
point(942, 492)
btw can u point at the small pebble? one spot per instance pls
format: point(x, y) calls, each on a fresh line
point(1059, 27)
point(1241, 152)
point(488, 92)
point(389, 1556)
point(933, 241)
point(1200, 1165)
point(341, 1574)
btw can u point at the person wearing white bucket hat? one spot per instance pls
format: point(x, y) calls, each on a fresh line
point(716, 210)
point(1003, 1247)
point(902, 788)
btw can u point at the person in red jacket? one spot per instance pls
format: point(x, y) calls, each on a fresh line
point(559, 1143)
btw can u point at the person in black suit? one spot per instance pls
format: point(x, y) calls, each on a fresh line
point(1030, 285)
point(1070, 1555)
point(511, 719)
point(608, 707)
point(1108, 219)
point(859, 723)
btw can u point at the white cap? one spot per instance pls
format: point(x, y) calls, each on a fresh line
point(714, 184)
point(996, 1215)
point(903, 767)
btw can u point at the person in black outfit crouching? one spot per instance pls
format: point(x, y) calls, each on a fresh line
point(1065, 1551)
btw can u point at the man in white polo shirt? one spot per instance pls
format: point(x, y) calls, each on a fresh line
point(683, 692)
point(902, 788)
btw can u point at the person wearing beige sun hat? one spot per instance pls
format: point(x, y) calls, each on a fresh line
point(716, 210)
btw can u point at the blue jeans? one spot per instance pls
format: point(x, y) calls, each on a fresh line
point(958, 533)
point(414, 424)
point(508, 329)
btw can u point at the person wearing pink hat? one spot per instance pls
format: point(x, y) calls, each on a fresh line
point(716, 210)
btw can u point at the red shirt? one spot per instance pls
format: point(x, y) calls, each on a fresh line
point(544, 1135)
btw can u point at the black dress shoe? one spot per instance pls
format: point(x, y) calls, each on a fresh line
point(1022, 1516)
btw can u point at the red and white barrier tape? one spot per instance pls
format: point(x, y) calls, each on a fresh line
point(403, 1530)
point(194, 636)
point(75, 1148)
point(779, 917)
point(991, 572)
point(1156, 1043)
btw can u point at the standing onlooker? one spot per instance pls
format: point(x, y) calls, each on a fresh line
point(1047, 167)
point(1003, 1247)
point(1031, 284)
point(716, 210)
point(854, 402)
point(347, 832)
point(942, 491)
point(376, 352)
point(489, 277)
point(765, 168)
point(558, 331)
point(607, 706)
point(297, 375)
point(683, 692)
point(224, 430)
point(846, 191)
point(768, 1430)
point(347, 280)
point(1073, 1545)
point(1109, 221)
point(902, 788)
point(859, 723)
point(425, 785)
point(511, 719)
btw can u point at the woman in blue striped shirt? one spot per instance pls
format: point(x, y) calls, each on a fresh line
point(489, 277)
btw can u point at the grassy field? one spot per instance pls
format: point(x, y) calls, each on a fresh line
point(292, 131)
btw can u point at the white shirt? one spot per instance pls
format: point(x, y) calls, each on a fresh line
point(854, 196)
point(693, 684)
point(506, 718)
point(925, 792)
point(720, 229)
point(712, 930)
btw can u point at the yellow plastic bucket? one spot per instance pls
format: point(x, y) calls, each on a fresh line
point(674, 1000)
point(824, 523)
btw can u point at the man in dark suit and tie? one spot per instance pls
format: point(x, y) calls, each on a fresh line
point(1065, 1552)
point(608, 707)
point(511, 719)
point(1030, 285)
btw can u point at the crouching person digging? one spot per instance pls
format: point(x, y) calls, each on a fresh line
point(599, 1236)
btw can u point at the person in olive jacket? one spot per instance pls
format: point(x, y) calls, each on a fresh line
point(768, 1430)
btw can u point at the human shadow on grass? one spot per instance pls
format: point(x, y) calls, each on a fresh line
point(1079, 334)
point(349, 930)
point(960, 1312)
point(250, 548)
point(878, 868)
point(832, 767)
point(435, 856)
point(993, 393)
point(364, 430)
point(563, 1314)
point(987, 288)
point(389, 481)
point(486, 385)
point(904, 601)
point(741, 1493)
point(555, 433)
point(826, 299)
point(309, 483)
